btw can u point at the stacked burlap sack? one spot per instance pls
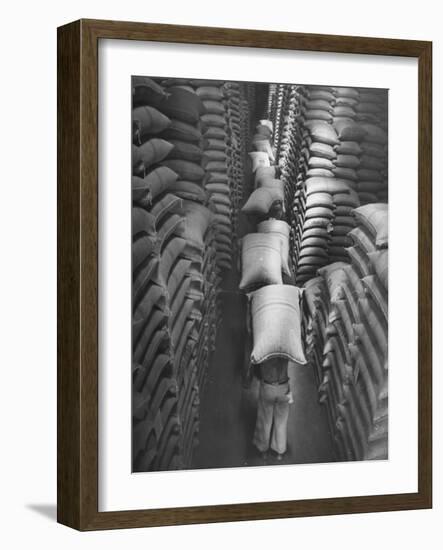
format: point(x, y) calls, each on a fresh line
point(175, 275)
point(346, 334)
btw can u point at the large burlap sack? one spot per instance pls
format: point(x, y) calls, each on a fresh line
point(282, 230)
point(374, 133)
point(149, 153)
point(348, 148)
point(216, 177)
point(317, 93)
point(210, 92)
point(146, 92)
point(374, 217)
point(262, 200)
point(148, 120)
point(317, 104)
point(215, 132)
point(347, 161)
point(322, 150)
point(215, 144)
point(319, 173)
point(319, 212)
point(214, 107)
point(362, 238)
point(259, 159)
point(377, 292)
point(346, 92)
point(184, 150)
point(345, 173)
point(186, 170)
point(368, 174)
point(211, 155)
point(319, 162)
point(156, 182)
point(343, 111)
point(347, 199)
point(374, 149)
point(182, 105)
point(189, 190)
point(318, 114)
point(261, 260)
point(319, 199)
point(350, 131)
point(322, 132)
point(182, 131)
point(326, 185)
point(276, 324)
point(264, 172)
point(269, 183)
point(211, 119)
point(218, 188)
point(372, 163)
point(216, 166)
point(379, 261)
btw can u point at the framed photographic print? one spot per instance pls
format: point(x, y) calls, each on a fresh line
point(244, 275)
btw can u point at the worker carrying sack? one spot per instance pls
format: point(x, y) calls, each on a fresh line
point(259, 159)
point(281, 229)
point(262, 200)
point(261, 260)
point(276, 330)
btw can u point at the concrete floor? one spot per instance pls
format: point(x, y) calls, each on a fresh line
point(228, 411)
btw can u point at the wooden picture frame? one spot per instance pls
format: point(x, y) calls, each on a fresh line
point(78, 274)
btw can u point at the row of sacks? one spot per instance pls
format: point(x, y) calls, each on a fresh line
point(323, 211)
point(175, 274)
point(346, 332)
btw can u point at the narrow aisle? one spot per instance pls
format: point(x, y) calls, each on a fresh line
point(228, 411)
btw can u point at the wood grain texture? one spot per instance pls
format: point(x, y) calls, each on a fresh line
point(77, 274)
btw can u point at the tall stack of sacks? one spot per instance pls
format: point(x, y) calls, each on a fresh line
point(173, 286)
point(156, 217)
point(198, 313)
point(346, 324)
point(312, 229)
point(289, 151)
point(323, 117)
point(216, 160)
point(362, 129)
point(237, 105)
point(372, 114)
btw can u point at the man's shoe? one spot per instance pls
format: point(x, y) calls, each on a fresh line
point(279, 457)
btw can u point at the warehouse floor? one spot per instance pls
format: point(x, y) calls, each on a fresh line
point(228, 410)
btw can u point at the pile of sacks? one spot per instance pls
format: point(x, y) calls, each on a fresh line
point(346, 334)
point(184, 169)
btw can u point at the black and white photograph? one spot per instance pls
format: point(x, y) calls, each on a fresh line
point(259, 273)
